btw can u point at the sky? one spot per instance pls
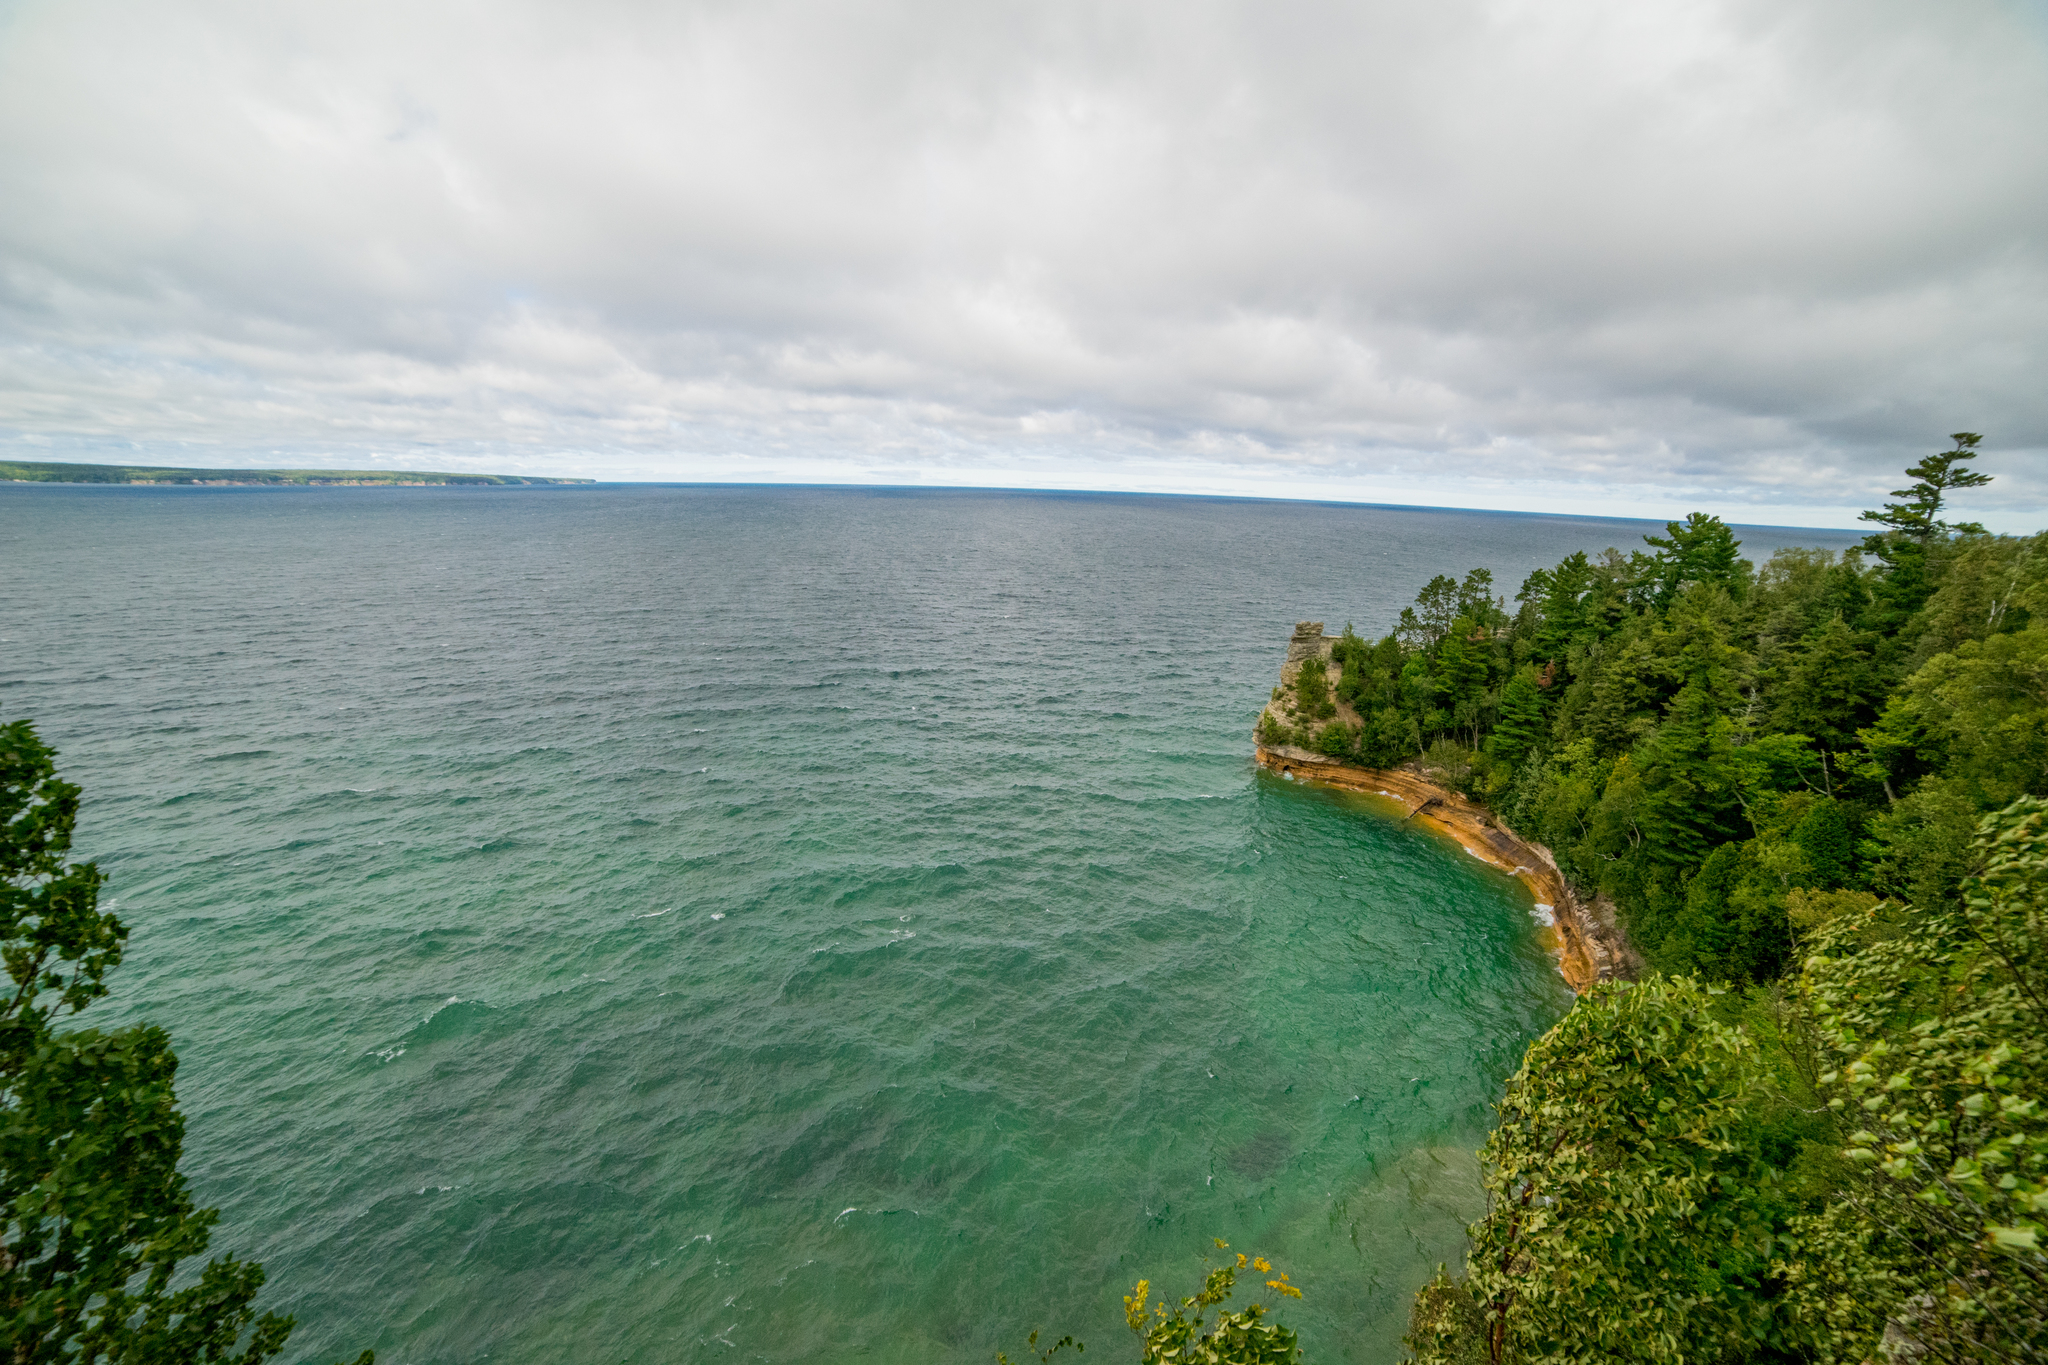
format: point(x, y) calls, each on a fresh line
point(1614, 258)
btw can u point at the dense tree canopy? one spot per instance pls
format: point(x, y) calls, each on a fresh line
point(1818, 1131)
point(1846, 1165)
point(1672, 714)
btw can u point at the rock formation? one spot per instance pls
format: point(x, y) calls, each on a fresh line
point(1589, 941)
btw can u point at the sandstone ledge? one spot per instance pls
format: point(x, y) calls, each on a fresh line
point(1589, 942)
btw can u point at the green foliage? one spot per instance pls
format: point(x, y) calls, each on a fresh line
point(1912, 546)
point(1934, 1035)
point(1641, 711)
point(1828, 689)
point(1629, 1218)
point(1425, 624)
point(1979, 713)
point(1520, 727)
point(1768, 770)
point(1851, 1165)
point(1689, 800)
point(1446, 1325)
point(1733, 925)
point(1823, 836)
point(1183, 1334)
point(1933, 479)
point(1450, 764)
point(1992, 585)
point(1391, 737)
point(53, 936)
point(1337, 739)
point(1312, 691)
point(98, 1218)
point(1700, 549)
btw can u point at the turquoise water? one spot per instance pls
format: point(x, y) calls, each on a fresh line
point(632, 924)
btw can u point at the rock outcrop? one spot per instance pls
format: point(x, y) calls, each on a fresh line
point(1589, 942)
point(1309, 642)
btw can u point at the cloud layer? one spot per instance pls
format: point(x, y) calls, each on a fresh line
point(1594, 256)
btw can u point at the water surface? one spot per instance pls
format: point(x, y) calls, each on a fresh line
point(641, 924)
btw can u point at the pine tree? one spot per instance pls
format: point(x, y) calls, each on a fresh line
point(1521, 725)
point(1690, 784)
point(1830, 851)
point(1910, 525)
point(1827, 695)
point(1564, 621)
point(1919, 516)
point(1700, 549)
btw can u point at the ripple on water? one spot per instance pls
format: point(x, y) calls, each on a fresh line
point(522, 875)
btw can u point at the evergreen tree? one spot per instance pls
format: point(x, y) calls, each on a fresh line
point(1827, 694)
point(1823, 835)
point(1564, 618)
point(1461, 663)
point(98, 1219)
point(1919, 516)
point(1700, 549)
point(1521, 724)
point(1475, 599)
point(1424, 625)
point(1912, 527)
point(1689, 783)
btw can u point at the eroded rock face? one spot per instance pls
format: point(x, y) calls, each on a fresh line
point(1588, 938)
point(1309, 642)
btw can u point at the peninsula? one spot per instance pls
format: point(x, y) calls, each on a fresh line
point(1815, 794)
point(1586, 934)
point(25, 471)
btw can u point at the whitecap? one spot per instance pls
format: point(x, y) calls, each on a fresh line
point(843, 1212)
point(1543, 914)
point(657, 914)
point(718, 914)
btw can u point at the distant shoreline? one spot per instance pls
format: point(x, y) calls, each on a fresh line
point(159, 476)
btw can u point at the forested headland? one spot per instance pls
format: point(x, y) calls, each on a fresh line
point(1720, 747)
point(1812, 788)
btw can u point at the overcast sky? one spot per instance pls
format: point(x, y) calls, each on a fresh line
point(1627, 257)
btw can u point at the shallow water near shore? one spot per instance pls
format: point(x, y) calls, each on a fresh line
point(650, 924)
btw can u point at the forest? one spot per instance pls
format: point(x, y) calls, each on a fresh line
point(1720, 748)
point(1812, 789)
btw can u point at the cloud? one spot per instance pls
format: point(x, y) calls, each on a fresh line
point(1604, 257)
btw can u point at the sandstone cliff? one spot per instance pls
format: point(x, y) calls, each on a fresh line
point(1588, 939)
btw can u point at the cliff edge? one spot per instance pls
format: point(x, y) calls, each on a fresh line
point(1589, 941)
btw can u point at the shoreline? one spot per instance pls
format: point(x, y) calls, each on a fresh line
point(1588, 941)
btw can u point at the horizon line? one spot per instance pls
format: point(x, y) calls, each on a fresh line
point(588, 482)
